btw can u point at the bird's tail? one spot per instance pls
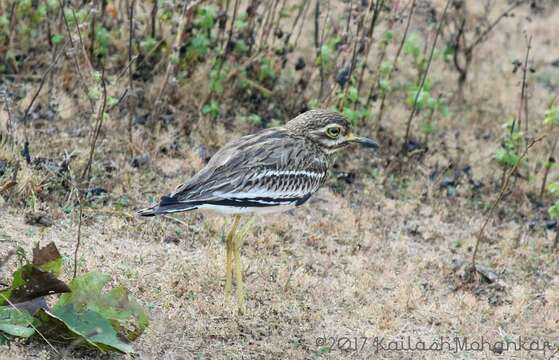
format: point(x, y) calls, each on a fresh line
point(167, 205)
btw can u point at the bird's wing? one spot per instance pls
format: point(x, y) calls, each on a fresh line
point(265, 169)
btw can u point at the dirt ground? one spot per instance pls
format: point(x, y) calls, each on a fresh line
point(369, 265)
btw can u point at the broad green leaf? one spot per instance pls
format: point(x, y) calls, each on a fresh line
point(84, 287)
point(116, 305)
point(15, 322)
point(92, 327)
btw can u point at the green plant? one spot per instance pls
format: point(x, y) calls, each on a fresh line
point(551, 119)
point(553, 210)
point(551, 116)
point(426, 102)
point(412, 48)
point(212, 109)
point(84, 314)
point(507, 155)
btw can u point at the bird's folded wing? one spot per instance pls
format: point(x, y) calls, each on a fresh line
point(265, 169)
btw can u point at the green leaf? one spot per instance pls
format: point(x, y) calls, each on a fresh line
point(241, 47)
point(313, 104)
point(103, 39)
point(206, 16)
point(48, 259)
point(92, 327)
point(354, 116)
point(199, 46)
point(427, 127)
point(553, 188)
point(116, 305)
point(4, 23)
point(448, 53)
point(387, 37)
point(385, 86)
point(353, 94)
point(39, 14)
point(507, 157)
point(111, 101)
point(29, 282)
point(54, 266)
point(212, 109)
point(385, 68)
point(241, 24)
point(148, 44)
point(552, 116)
point(254, 119)
point(16, 322)
point(422, 95)
point(443, 109)
point(412, 46)
point(94, 93)
point(554, 210)
point(325, 53)
point(57, 39)
point(267, 71)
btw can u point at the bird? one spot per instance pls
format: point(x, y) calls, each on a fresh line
point(272, 170)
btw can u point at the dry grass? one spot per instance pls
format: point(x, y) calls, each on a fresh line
point(327, 270)
point(378, 260)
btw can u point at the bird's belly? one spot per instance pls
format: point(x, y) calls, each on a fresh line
point(233, 210)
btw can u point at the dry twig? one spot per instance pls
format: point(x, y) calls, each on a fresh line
point(488, 214)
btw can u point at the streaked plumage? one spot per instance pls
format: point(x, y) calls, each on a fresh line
point(272, 170)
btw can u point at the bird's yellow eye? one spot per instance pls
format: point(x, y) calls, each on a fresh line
point(333, 132)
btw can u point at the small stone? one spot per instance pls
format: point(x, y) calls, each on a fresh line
point(300, 64)
point(139, 161)
point(39, 218)
point(171, 239)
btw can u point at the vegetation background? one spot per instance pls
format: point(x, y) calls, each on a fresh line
point(450, 230)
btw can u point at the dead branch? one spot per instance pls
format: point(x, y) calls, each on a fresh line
point(488, 214)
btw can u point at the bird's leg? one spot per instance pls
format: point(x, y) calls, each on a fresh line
point(239, 239)
point(239, 279)
point(230, 249)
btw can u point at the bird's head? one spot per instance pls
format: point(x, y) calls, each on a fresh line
point(330, 130)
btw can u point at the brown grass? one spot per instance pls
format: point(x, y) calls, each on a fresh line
point(373, 261)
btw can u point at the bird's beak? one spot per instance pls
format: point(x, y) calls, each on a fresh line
point(362, 141)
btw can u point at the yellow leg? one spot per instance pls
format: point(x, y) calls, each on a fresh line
point(239, 277)
point(230, 249)
point(239, 239)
